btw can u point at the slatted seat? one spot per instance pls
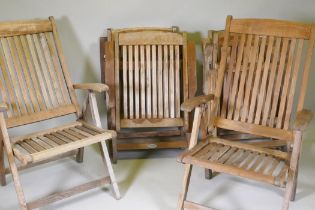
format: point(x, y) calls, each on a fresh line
point(46, 144)
point(229, 157)
point(253, 92)
point(35, 85)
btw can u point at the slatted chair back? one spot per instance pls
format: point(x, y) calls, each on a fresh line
point(261, 61)
point(152, 77)
point(34, 79)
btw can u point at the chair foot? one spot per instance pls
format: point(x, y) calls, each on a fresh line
point(80, 155)
point(208, 174)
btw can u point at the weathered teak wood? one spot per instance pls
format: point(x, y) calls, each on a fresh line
point(260, 63)
point(35, 85)
point(150, 72)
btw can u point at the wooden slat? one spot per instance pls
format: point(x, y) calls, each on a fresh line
point(67, 135)
point(166, 80)
point(165, 122)
point(142, 81)
point(171, 82)
point(32, 71)
point(14, 28)
point(137, 82)
point(44, 70)
point(51, 70)
point(226, 87)
point(240, 95)
point(150, 37)
point(39, 116)
point(250, 80)
point(64, 67)
point(236, 77)
point(154, 83)
point(19, 75)
point(177, 82)
point(297, 63)
point(39, 156)
point(125, 81)
point(26, 74)
point(41, 143)
point(254, 129)
point(195, 206)
point(38, 71)
point(10, 94)
point(275, 59)
point(251, 148)
point(160, 82)
point(131, 81)
point(271, 28)
point(262, 91)
point(117, 82)
point(285, 84)
point(66, 194)
point(258, 71)
point(58, 71)
point(277, 87)
point(148, 81)
point(12, 74)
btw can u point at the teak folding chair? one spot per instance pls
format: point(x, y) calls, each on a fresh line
point(150, 72)
point(35, 85)
point(259, 101)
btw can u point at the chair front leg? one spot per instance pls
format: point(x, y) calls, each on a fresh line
point(12, 165)
point(293, 170)
point(188, 167)
point(103, 147)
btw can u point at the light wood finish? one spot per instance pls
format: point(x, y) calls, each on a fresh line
point(36, 86)
point(98, 87)
point(255, 84)
point(153, 74)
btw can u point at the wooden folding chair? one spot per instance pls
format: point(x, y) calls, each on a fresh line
point(259, 101)
point(35, 85)
point(150, 72)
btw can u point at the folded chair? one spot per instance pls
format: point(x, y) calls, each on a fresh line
point(150, 72)
point(35, 85)
point(259, 101)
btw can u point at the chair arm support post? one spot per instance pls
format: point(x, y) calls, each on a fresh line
point(195, 129)
point(194, 102)
point(96, 87)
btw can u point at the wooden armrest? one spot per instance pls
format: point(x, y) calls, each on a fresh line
point(303, 119)
point(3, 107)
point(192, 103)
point(97, 87)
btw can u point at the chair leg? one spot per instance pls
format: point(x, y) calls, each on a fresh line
point(293, 192)
point(2, 166)
point(185, 185)
point(208, 173)
point(288, 191)
point(107, 161)
point(114, 152)
point(80, 155)
point(17, 183)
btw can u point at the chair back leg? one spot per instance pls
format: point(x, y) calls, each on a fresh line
point(2, 166)
point(80, 155)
